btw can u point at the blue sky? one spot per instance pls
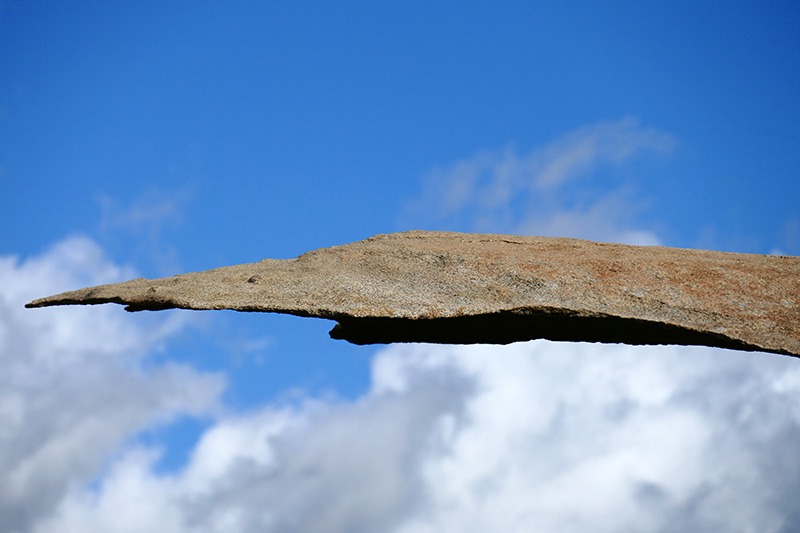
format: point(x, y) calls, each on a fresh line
point(150, 139)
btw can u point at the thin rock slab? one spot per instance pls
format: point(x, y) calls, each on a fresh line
point(458, 288)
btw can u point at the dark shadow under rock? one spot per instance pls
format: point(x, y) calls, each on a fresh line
point(507, 326)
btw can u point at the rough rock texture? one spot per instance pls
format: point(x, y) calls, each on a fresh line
point(471, 288)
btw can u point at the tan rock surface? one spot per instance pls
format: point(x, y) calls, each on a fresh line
point(471, 288)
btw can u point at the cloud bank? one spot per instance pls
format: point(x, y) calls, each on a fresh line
point(534, 436)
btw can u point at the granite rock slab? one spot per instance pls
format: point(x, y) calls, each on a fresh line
point(459, 288)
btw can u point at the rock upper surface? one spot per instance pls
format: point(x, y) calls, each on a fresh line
point(420, 286)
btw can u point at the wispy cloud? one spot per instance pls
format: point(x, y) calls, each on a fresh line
point(146, 215)
point(142, 224)
point(503, 191)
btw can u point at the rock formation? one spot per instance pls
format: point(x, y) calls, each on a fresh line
point(459, 288)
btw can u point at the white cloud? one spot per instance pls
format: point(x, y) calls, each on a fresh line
point(533, 436)
point(73, 388)
point(505, 192)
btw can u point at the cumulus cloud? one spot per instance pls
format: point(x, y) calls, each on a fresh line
point(498, 191)
point(73, 386)
point(534, 436)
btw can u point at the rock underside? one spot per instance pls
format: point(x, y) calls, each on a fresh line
point(460, 288)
